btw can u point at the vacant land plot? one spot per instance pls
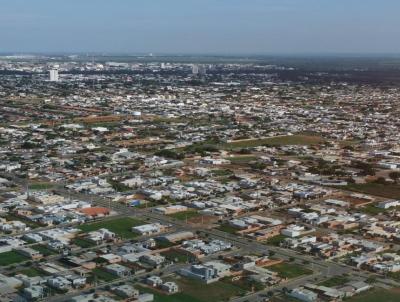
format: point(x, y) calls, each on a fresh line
point(276, 141)
point(384, 190)
point(214, 292)
point(225, 227)
point(242, 159)
point(83, 243)
point(176, 256)
point(31, 272)
point(245, 284)
point(276, 240)
point(41, 186)
point(159, 297)
point(290, 270)
point(186, 215)
point(11, 257)
point(44, 250)
point(372, 209)
point(120, 226)
point(335, 281)
point(103, 275)
point(377, 295)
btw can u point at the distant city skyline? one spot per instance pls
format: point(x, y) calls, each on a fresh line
point(230, 27)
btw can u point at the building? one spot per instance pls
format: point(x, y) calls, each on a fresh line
point(154, 281)
point(303, 294)
point(208, 272)
point(117, 270)
point(53, 73)
point(148, 229)
point(126, 291)
point(195, 69)
point(34, 292)
point(170, 287)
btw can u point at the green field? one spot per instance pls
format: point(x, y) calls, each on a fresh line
point(335, 281)
point(31, 272)
point(120, 226)
point(158, 297)
point(391, 191)
point(103, 275)
point(185, 215)
point(225, 227)
point(245, 284)
point(41, 186)
point(276, 240)
point(221, 172)
point(196, 291)
point(276, 141)
point(242, 159)
point(173, 255)
point(11, 257)
point(289, 270)
point(371, 209)
point(83, 243)
point(395, 276)
point(377, 295)
point(214, 292)
point(44, 250)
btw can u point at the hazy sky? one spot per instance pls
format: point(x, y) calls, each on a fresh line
point(200, 26)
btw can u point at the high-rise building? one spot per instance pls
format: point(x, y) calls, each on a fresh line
point(199, 69)
point(53, 75)
point(195, 69)
point(202, 70)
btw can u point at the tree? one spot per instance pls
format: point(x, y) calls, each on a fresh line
point(394, 175)
point(380, 180)
point(271, 253)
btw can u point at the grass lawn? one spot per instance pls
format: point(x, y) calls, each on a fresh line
point(120, 226)
point(335, 281)
point(375, 295)
point(11, 257)
point(391, 191)
point(44, 250)
point(185, 215)
point(289, 270)
point(276, 240)
point(83, 243)
point(103, 275)
point(276, 141)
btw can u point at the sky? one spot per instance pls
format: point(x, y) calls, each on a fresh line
point(201, 26)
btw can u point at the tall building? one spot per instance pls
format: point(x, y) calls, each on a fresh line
point(53, 75)
point(195, 69)
point(202, 70)
point(199, 69)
